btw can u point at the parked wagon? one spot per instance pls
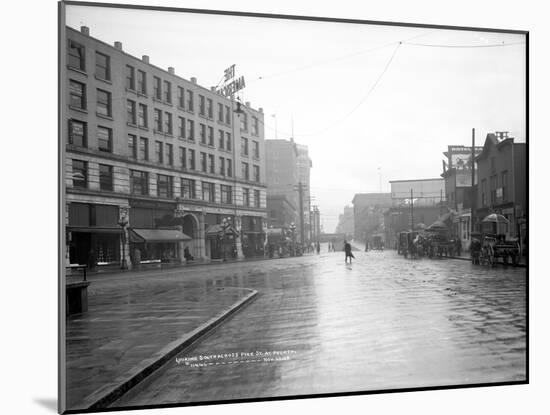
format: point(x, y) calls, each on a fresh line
point(406, 244)
point(495, 247)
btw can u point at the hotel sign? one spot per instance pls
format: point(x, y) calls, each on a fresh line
point(231, 85)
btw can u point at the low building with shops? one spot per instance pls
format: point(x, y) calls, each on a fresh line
point(414, 203)
point(157, 167)
point(502, 183)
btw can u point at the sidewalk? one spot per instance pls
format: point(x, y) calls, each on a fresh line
point(77, 275)
point(135, 322)
point(466, 257)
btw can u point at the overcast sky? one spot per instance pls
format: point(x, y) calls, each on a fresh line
point(365, 105)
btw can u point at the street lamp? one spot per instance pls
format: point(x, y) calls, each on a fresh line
point(123, 222)
point(226, 223)
point(293, 233)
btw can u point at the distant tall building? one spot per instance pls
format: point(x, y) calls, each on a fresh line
point(346, 222)
point(304, 172)
point(282, 175)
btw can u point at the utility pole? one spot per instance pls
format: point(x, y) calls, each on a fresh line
point(301, 204)
point(412, 211)
point(472, 189)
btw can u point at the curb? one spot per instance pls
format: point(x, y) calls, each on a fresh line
point(103, 397)
point(470, 259)
point(168, 267)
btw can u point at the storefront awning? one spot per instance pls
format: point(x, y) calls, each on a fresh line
point(157, 235)
point(94, 229)
point(215, 230)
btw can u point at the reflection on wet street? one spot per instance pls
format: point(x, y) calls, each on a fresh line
point(321, 326)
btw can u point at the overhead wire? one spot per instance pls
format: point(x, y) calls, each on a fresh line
point(363, 99)
point(494, 45)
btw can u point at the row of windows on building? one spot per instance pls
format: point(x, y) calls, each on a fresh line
point(497, 194)
point(163, 123)
point(139, 185)
point(138, 149)
point(136, 81)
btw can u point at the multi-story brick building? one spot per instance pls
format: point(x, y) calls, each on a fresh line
point(282, 182)
point(304, 174)
point(154, 163)
point(502, 183)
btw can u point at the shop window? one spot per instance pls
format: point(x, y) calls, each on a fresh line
point(79, 214)
point(105, 215)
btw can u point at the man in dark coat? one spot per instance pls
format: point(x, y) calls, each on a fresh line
point(347, 250)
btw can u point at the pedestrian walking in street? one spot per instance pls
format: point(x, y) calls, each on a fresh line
point(347, 250)
point(318, 247)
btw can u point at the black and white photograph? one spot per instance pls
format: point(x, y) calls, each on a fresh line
point(264, 206)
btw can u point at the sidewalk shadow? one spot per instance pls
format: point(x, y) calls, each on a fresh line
point(48, 403)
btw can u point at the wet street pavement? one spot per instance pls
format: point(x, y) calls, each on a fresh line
point(131, 319)
point(319, 326)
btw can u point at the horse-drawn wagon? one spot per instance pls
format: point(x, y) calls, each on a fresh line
point(495, 247)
